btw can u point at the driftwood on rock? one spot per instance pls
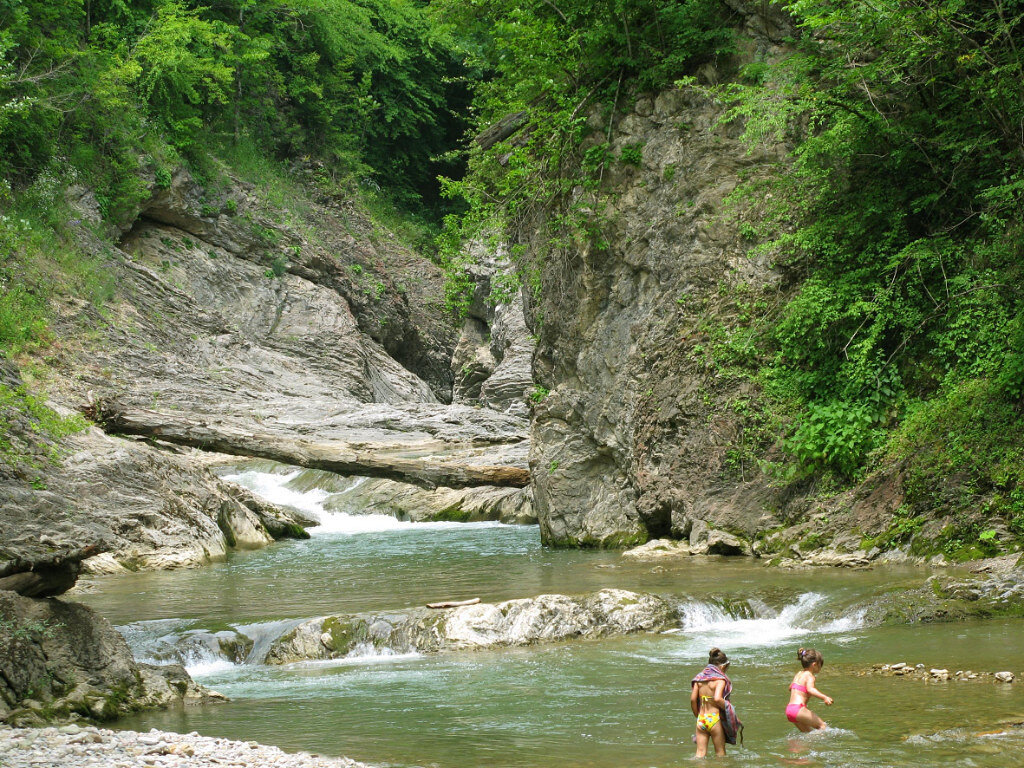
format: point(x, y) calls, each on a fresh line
point(371, 460)
point(454, 603)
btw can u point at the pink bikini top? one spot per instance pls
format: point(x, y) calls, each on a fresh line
point(798, 687)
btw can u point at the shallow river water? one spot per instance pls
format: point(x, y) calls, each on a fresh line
point(603, 703)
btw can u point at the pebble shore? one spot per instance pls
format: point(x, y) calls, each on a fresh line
point(73, 746)
point(936, 674)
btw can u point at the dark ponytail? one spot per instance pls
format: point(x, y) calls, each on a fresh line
point(809, 656)
point(717, 657)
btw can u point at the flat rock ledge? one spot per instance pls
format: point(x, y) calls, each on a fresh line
point(541, 619)
point(73, 746)
point(937, 674)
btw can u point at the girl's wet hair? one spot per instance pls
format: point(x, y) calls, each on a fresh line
point(809, 656)
point(717, 657)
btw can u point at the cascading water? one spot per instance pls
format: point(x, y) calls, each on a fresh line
point(757, 625)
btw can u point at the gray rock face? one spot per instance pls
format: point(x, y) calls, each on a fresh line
point(147, 508)
point(637, 438)
point(227, 318)
point(658, 549)
point(492, 364)
point(545, 618)
point(513, 506)
point(60, 660)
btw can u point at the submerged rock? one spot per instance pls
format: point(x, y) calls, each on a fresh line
point(995, 589)
point(541, 619)
point(659, 548)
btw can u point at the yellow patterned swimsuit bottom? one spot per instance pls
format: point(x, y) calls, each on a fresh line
point(709, 718)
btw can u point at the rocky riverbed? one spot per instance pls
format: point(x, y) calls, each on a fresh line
point(72, 746)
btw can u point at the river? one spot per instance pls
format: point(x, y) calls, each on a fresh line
point(600, 703)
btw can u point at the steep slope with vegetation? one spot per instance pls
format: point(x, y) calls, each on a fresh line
point(851, 359)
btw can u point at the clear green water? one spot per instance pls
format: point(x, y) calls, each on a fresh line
point(617, 702)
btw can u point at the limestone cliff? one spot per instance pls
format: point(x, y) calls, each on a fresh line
point(643, 432)
point(631, 441)
point(305, 323)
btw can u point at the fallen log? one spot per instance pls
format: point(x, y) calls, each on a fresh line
point(454, 603)
point(332, 456)
point(503, 129)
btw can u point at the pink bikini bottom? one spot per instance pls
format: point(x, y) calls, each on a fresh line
point(792, 710)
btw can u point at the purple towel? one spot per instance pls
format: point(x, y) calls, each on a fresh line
point(730, 722)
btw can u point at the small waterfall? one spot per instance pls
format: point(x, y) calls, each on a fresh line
point(172, 641)
point(363, 653)
point(754, 624)
point(303, 491)
point(263, 636)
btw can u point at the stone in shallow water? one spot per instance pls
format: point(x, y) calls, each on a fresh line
point(658, 548)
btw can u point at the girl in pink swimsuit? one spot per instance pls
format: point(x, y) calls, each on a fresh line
point(802, 688)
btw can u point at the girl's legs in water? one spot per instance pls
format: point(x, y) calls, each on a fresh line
point(702, 743)
point(807, 721)
point(716, 737)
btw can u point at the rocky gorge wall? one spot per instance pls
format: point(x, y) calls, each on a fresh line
point(631, 441)
point(237, 318)
point(242, 318)
point(642, 432)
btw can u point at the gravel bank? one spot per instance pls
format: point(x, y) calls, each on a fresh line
point(74, 746)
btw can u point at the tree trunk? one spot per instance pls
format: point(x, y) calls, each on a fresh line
point(501, 130)
point(371, 460)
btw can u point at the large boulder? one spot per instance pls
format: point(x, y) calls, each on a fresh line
point(62, 661)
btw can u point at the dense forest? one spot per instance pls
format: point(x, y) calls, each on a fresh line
point(898, 215)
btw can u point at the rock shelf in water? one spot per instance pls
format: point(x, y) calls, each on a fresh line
point(545, 618)
point(75, 747)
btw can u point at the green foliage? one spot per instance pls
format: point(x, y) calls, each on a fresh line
point(972, 434)
point(837, 436)
point(900, 215)
point(632, 154)
point(30, 430)
point(539, 394)
point(551, 64)
point(278, 266)
point(37, 262)
point(373, 88)
point(903, 526)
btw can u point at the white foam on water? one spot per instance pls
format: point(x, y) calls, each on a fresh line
point(202, 662)
point(273, 488)
point(363, 653)
point(792, 621)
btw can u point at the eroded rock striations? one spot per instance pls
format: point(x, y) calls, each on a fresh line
point(229, 318)
point(545, 618)
point(230, 329)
